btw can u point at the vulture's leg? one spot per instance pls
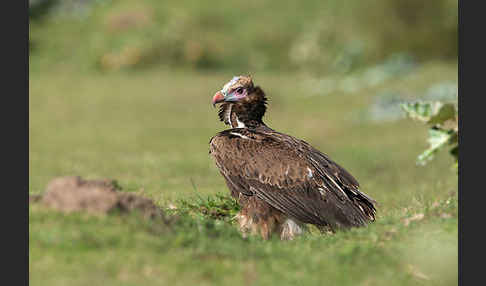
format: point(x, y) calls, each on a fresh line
point(290, 228)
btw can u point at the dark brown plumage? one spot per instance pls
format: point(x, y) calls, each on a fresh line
point(280, 182)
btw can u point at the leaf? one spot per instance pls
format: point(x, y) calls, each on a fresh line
point(437, 139)
point(455, 151)
point(444, 130)
point(421, 111)
point(430, 112)
point(446, 111)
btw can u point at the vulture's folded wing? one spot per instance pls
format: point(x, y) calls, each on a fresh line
point(292, 176)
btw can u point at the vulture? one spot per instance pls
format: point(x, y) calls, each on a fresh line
point(280, 182)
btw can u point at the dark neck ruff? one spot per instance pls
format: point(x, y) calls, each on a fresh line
point(247, 113)
point(237, 122)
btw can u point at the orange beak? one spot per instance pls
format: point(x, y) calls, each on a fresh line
point(217, 98)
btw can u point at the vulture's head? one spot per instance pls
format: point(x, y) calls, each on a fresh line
point(242, 103)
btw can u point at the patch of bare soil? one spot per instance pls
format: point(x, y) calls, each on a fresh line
point(73, 193)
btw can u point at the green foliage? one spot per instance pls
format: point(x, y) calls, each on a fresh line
point(315, 36)
point(443, 121)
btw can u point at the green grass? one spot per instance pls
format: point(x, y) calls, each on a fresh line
point(150, 130)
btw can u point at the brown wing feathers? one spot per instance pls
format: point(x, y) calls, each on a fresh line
point(345, 181)
point(291, 176)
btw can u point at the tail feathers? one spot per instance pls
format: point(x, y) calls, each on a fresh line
point(366, 204)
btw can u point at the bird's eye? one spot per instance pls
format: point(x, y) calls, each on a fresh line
point(239, 90)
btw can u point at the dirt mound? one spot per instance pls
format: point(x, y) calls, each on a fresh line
point(70, 194)
point(130, 202)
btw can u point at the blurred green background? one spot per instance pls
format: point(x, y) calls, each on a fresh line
point(122, 89)
point(313, 36)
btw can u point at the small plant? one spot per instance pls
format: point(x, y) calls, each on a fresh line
point(443, 121)
point(218, 207)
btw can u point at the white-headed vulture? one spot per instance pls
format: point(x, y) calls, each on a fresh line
point(280, 182)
